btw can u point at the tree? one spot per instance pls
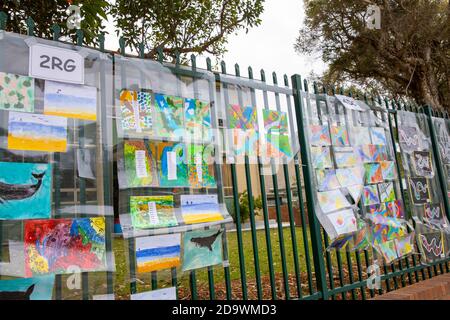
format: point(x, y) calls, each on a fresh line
point(45, 13)
point(408, 57)
point(186, 26)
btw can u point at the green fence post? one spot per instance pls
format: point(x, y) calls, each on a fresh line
point(316, 238)
point(3, 19)
point(30, 26)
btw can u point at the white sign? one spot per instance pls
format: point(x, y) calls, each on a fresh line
point(58, 64)
point(141, 165)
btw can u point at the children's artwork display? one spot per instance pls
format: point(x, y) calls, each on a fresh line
point(35, 132)
point(388, 170)
point(25, 190)
point(343, 221)
point(339, 136)
point(244, 118)
point(202, 248)
point(200, 208)
point(408, 138)
point(319, 135)
point(37, 288)
point(378, 136)
point(158, 252)
point(422, 164)
point(373, 173)
point(370, 195)
point(321, 157)
point(432, 245)
point(360, 136)
point(57, 245)
point(197, 116)
point(434, 217)
point(386, 192)
point(278, 146)
point(326, 180)
point(70, 101)
point(169, 116)
point(136, 116)
point(172, 164)
point(348, 177)
point(201, 165)
point(345, 158)
point(152, 211)
point(275, 122)
point(332, 200)
point(420, 192)
point(245, 142)
point(139, 162)
point(159, 294)
point(17, 92)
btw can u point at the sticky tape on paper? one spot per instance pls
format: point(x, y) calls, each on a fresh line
point(226, 263)
point(30, 41)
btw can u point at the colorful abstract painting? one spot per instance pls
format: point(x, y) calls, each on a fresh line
point(373, 173)
point(201, 165)
point(345, 158)
point(158, 252)
point(377, 210)
point(172, 164)
point(278, 146)
point(70, 100)
point(432, 246)
point(419, 189)
point(395, 209)
point(152, 212)
point(58, 245)
point(386, 191)
point(387, 229)
point(378, 136)
point(243, 118)
point(321, 157)
point(408, 138)
point(360, 136)
point(25, 190)
point(16, 93)
point(434, 217)
point(379, 153)
point(197, 117)
point(387, 250)
point(319, 135)
point(202, 248)
point(38, 288)
point(343, 221)
point(422, 164)
point(245, 142)
point(339, 136)
point(355, 192)
point(405, 245)
point(136, 112)
point(35, 132)
point(388, 170)
point(326, 180)
point(200, 208)
point(139, 164)
point(332, 200)
point(275, 121)
point(365, 153)
point(350, 176)
point(370, 195)
point(169, 116)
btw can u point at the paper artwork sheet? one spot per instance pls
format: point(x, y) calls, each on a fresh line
point(378, 136)
point(139, 162)
point(350, 176)
point(319, 135)
point(365, 153)
point(200, 208)
point(86, 163)
point(405, 245)
point(37, 288)
point(396, 209)
point(343, 221)
point(158, 252)
point(242, 117)
point(419, 190)
point(433, 216)
point(201, 165)
point(278, 146)
point(388, 170)
point(387, 250)
point(379, 153)
point(370, 195)
point(202, 248)
point(36, 132)
point(386, 191)
point(339, 136)
point(345, 158)
point(321, 157)
point(152, 211)
point(373, 173)
point(326, 180)
point(408, 138)
point(245, 142)
point(172, 164)
point(169, 116)
point(197, 115)
point(422, 164)
point(332, 200)
point(136, 112)
point(356, 192)
point(275, 122)
point(17, 93)
point(432, 246)
point(360, 136)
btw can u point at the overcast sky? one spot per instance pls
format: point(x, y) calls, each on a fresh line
point(269, 46)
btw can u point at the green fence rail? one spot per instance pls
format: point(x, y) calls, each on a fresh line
point(286, 262)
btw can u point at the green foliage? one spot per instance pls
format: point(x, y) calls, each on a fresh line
point(184, 26)
point(244, 207)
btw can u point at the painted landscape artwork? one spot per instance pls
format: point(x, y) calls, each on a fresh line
point(158, 252)
point(38, 288)
point(70, 101)
point(25, 190)
point(202, 248)
point(136, 111)
point(172, 164)
point(200, 208)
point(55, 245)
point(16, 92)
point(152, 212)
point(35, 132)
point(139, 164)
point(169, 116)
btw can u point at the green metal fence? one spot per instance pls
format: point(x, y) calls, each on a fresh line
point(291, 260)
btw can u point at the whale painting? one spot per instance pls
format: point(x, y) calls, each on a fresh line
point(37, 288)
point(202, 248)
point(25, 190)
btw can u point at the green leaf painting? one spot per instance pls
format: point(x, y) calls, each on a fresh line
point(16, 92)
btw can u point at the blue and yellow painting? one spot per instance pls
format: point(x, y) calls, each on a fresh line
point(202, 248)
point(25, 190)
point(38, 288)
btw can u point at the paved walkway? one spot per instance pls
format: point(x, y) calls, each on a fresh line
point(436, 288)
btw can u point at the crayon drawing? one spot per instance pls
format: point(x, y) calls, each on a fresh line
point(320, 135)
point(275, 121)
point(38, 288)
point(386, 191)
point(355, 191)
point(378, 136)
point(408, 138)
point(404, 245)
point(360, 136)
point(395, 209)
point(158, 252)
point(350, 176)
point(136, 112)
point(370, 195)
point(345, 158)
point(343, 221)
point(419, 190)
point(365, 153)
point(242, 117)
point(35, 132)
point(25, 190)
point(172, 164)
point(169, 116)
point(321, 158)
point(202, 248)
point(139, 164)
point(200, 208)
point(278, 146)
point(422, 164)
point(434, 217)
point(56, 245)
point(379, 153)
point(332, 200)
point(16, 93)
point(373, 173)
point(388, 170)
point(431, 245)
point(152, 212)
point(339, 136)
point(326, 180)
point(70, 100)
point(245, 142)
point(197, 117)
point(201, 165)
point(387, 250)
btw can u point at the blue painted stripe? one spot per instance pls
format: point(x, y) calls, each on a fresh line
point(157, 252)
